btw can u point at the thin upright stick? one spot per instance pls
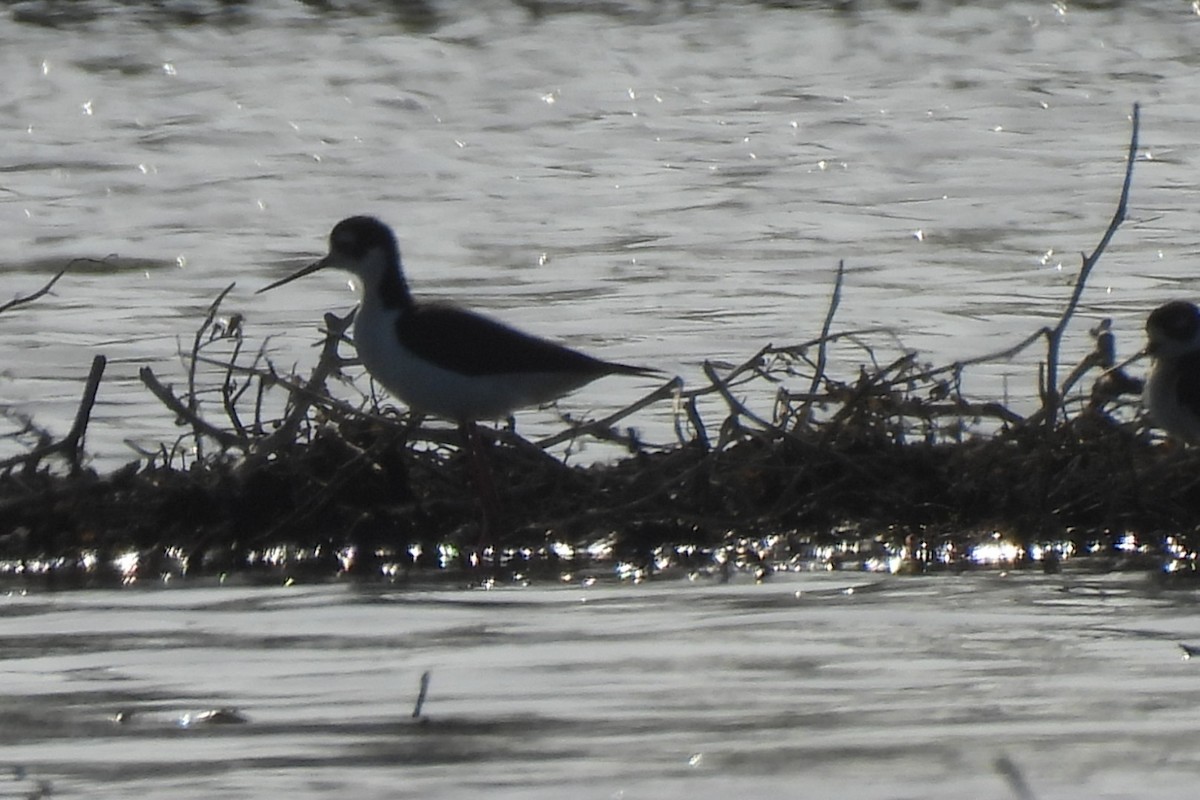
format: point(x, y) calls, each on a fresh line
point(822, 355)
point(1051, 400)
point(73, 444)
point(71, 447)
point(193, 402)
point(422, 693)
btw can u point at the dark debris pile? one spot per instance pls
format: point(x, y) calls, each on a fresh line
point(893, 458)
point(892, 461)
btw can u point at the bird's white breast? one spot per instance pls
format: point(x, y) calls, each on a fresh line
point(1161, 398)
point(431, 389)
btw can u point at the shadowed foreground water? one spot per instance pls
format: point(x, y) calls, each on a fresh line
point(805, 686)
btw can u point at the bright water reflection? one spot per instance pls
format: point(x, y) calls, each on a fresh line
point(657, 184)
point(805, 686)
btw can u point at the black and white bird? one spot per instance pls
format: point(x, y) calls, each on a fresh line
point(1172, 391)
point(442, 360)
point(439, 359)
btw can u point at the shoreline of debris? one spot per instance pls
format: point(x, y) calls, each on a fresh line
point(887, 469)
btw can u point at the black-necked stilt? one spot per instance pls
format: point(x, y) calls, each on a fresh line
point(443, 360)
point(1172, 391)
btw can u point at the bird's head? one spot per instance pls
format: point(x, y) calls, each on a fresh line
point(363, 246)
point(1173, 329)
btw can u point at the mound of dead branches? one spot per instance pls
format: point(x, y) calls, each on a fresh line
point(893, 459)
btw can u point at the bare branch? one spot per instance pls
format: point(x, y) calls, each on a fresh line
point(1051, 398)
point(70, 446)
point(305, 396)
point(819, 373)
point(193, 403)
point(600, 426)
point(20, 301)
point(187, 414)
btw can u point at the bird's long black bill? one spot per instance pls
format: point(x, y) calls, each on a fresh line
point(313, 267)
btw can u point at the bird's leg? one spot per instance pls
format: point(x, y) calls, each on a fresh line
point(485, 486)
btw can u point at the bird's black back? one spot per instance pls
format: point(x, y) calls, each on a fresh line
point(1187, 386)
point(474, 345)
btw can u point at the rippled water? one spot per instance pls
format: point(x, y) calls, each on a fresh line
point(804, 686)
point(653, 183)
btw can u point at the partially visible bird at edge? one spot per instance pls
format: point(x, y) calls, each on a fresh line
point(1172, 391)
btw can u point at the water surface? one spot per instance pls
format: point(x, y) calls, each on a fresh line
point(804, 686)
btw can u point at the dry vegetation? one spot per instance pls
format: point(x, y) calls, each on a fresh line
point(894, 460)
